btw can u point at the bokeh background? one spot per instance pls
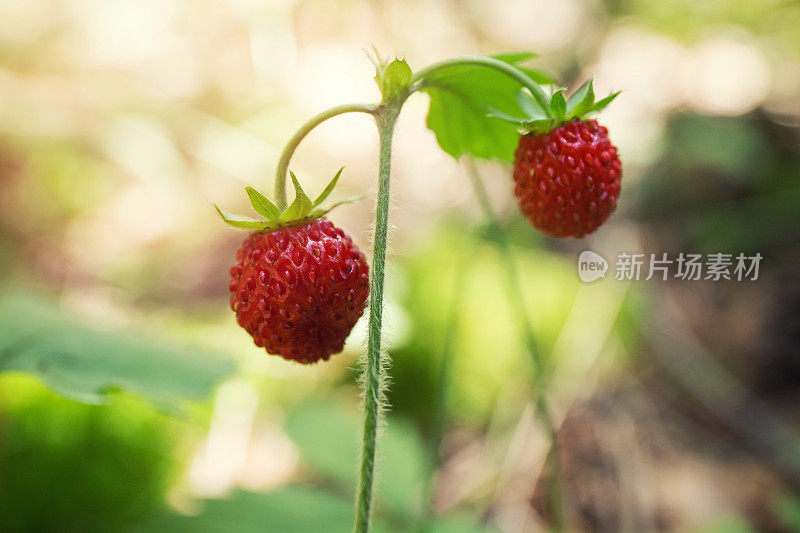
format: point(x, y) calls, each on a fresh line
point(129, 398)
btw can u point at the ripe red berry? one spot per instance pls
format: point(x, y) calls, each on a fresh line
point(567, 181)
point(298, 291)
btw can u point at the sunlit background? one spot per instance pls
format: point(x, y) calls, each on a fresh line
point(131, 399)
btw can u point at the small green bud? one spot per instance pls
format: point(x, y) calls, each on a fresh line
point(394, 79)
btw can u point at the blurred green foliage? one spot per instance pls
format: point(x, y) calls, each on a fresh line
point(66, 466)
point(294, 508)
point(483, 361)
point(686, 18)
point(725, 184)
point(326, 434)
point(289, 509)
point(85, 363)
point(788, 508)
point(69, 466)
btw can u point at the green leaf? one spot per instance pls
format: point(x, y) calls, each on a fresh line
point(329, 189)
point(462, 96)
point(558, 106)
point(85, 364)
point(598, 106)
point(582, 101)
point(300, 207)
point(241, 222)
point(293, 508)
point(462, 127)
point(515, 57)
point(262, 205)
point(395, 78)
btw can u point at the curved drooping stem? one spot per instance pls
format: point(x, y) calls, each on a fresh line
point(294, 142)
point(532, 346)
point(506, 68)
point(373, 380)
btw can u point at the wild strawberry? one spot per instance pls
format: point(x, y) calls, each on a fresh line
point(566, 171)
point(568, 180)
point(299, 284)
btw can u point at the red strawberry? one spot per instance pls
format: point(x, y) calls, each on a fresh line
point(568, 180)
point(566, 171)
point(300, 290)
point(299, 284)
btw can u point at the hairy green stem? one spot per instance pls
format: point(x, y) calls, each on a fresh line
point(532, 346)
point(501, 66)
point(385, 117)
point(294, 142)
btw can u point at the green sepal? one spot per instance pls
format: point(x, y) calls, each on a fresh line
point(580, 106)
point(301, 206)
point(541, 125)
point(558, 105)
point(496, 113)
point(328, 189)
point(393, 78)
point(530, 106)
point(262, 205)
point(300, 211)
point(537, 125)
point(241, 222)
point(318, 212)
point(581, 101)
point(598, 106)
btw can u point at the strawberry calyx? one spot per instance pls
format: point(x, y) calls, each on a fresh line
point(559, 111)
point(301, 211)
point(393, 77)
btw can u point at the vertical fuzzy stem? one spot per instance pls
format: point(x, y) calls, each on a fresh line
point(540, 379)
point(373, 379)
